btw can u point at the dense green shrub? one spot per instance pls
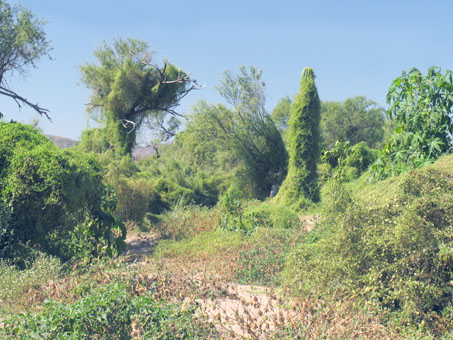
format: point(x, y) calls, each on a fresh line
point(56, 198)
point(390, 243)
point(348, 162)
point(111, 312)
point(271, 215)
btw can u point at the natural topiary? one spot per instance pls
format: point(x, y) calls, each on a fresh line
point(301, 183)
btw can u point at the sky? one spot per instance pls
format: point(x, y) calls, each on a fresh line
point(354, 47)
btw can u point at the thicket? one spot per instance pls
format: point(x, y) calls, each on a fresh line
point(53, 201)
point(390, 243)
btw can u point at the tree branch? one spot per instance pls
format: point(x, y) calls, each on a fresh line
point(22, 101)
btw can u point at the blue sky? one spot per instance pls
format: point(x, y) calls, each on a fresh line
point(355, 47)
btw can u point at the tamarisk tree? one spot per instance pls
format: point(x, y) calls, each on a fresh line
point(301, 184)
point(129, 92)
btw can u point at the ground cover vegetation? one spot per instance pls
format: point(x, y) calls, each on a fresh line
point(356, 243)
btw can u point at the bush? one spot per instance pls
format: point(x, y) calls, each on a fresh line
point(134, 196)
point(348, 162)
point(246, 217)
point(57, 201)
point(390, 243)
point(111, 312)
point(271, 215)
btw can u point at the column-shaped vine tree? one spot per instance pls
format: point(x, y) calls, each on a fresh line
point(301, 184)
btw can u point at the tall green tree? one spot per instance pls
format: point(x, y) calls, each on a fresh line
point(421, 107)
point(301, 184)
point(129, 92)
point(241, 134)
point(355, 120)
point(22, 43)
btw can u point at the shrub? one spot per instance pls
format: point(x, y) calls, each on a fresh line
point(56, 198)
point(17, 284)
point(391, 243)
point(246, 217)
point(133, 198)
point(110, 312)
point(271, 215)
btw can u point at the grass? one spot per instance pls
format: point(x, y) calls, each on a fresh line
point(20, 289)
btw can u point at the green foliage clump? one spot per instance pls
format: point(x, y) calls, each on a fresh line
point(301, 184)
point(349, 162)
point(391, 243)
point(56, 200)
point(421, 107)
point(246, 216)
point(110, 312)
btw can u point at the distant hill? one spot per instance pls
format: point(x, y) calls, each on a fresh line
point(137, 153)
point(143, 152)
point(62, 142)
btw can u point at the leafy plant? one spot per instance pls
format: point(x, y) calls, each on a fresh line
point(421, 107)
point(110, 312)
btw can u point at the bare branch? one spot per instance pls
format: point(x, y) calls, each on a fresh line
point(22, 101)
point(125, 123)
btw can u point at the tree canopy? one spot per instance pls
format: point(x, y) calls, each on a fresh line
point(22, 43)
point(355, 120)
point(129, 92)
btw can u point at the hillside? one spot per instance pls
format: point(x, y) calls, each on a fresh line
point(62, 142)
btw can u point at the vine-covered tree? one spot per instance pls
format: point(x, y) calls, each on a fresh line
point(421, 107)
point(301, 183)
point(129, 91)
point(22, 43)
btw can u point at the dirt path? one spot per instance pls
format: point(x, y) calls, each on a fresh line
point(242, 311)
point(139, 246)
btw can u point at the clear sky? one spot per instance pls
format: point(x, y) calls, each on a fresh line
point(355, 47)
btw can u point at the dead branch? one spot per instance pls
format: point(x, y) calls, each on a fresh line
point(125, 123)
point(22, 101)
